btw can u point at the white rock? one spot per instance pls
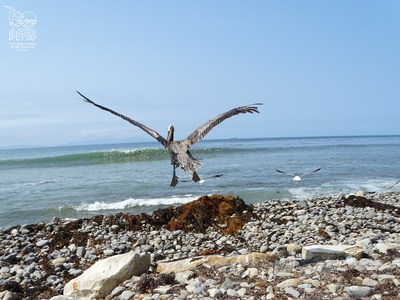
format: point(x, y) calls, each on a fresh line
point(9, 296)
point(215, 293)
point(126, 295)
point(288, 283)
point(108, 252)
point(212, 260)
point(294, 248)
point(270, 296)
point(332, 252)
point(72, 248)
point(314, 282)
point(250, 272)
point(58, 261)
point(396, 262)
point(100, 279)
point(370, 282)
point(358, 291)
point(384, 247)
point(241, 292)
point(162, 289)
point(182, 277)
point(292, 292)
point(333, 288)
point(42, 243)
point(231, 293)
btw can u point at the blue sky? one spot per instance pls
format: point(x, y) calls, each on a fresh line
point(321, 68)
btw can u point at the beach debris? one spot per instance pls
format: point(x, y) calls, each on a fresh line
point(298, 177)
point(360, 201)
point(149, 282)
point(226, 214)
point(179, 150)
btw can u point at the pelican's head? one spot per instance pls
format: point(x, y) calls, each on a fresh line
point(170, 136)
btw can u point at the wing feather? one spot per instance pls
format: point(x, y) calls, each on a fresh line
point(290, 174)
point(200, 132)
point(316, 170)
point(146, 129)
point(395, 184)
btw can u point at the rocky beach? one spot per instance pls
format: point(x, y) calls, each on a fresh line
point(333, 247)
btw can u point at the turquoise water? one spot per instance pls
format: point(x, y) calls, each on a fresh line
point(81, 181)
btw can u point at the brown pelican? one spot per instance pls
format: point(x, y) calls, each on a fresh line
point(298, 177)
point(179, 150)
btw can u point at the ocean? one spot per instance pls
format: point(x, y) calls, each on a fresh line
point(37, 184)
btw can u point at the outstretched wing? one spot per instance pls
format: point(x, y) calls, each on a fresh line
point(279, 171)
point(316, 170)
point(149, 131)
point(395, 184)
point(200, 132)
point(205, 179)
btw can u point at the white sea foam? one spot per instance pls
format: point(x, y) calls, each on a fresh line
point(341, 187)
point(131, 202)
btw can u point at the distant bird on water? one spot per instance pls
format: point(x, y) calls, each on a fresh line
point(179, 150)
point(298, 177)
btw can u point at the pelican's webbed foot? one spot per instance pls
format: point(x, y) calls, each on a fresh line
point(174, 181)
point(195, 177)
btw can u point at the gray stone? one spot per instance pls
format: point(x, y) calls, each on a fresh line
point(293, 248)
point(80, 251)
point(370, 282)
point(126, 295)
point(42, 243)
point(108, 252)
point(385, 247)
point(332, 252)
point(228, 284)
point(9, 296)
point(358, 291)
point(241, 292)
point(231, 293)
point(292, 292)
point(215, 293)
point(162, 289)
point(288, 283)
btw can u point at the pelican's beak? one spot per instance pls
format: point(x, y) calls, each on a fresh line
point(170, 136)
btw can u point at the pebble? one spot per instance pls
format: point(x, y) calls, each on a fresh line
point(359, 291)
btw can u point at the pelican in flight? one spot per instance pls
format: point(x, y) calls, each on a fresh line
point(179, 150)
point(298, 177)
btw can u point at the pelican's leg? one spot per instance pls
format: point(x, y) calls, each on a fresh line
point(174, 180)
point(195, 177)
